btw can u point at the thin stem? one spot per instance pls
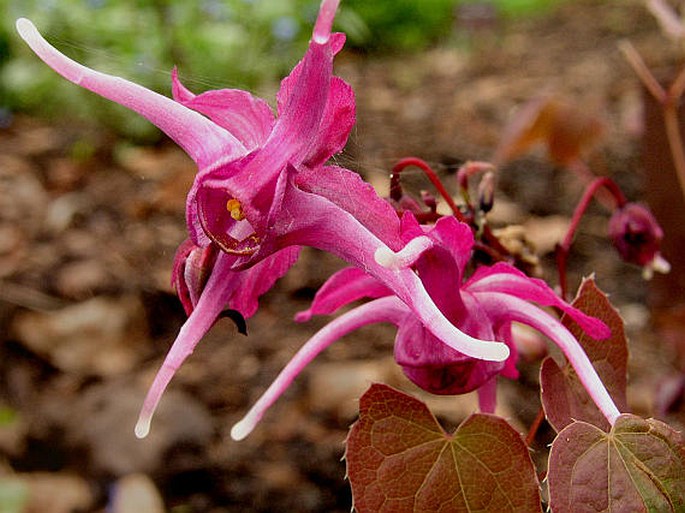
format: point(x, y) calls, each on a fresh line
point(642, 71)
point(675, 141)
point(535, 427)
point(669, 101)
point(430, 174)
point(564, 247)
point(579, 167)
point(676, 89)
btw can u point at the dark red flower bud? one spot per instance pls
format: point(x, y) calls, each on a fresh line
point(636, 235)
point(486, 192)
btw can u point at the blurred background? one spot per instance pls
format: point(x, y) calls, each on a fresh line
point(259, 41)
point(92, 210)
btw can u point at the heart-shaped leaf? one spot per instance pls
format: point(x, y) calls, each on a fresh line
point(400, 460)
point(563, 396)
point(639, 466)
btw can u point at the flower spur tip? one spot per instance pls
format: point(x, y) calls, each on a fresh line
point(242, 429)
point(404, 258)
point(23, 26)
point(498, 353)
point(324, 23)
point(142, 428)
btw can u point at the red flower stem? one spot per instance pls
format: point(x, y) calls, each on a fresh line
point(564, 247)
point(493, 242)
point(396, 189)
point(579, 167)
point(535, 427)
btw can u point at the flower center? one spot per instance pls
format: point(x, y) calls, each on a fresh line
point(235, 209)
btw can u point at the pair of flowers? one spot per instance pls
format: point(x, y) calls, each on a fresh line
point(264, 189)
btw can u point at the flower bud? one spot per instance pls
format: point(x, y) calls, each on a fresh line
point(486, 192)
point(636, 235)
point(192, 266)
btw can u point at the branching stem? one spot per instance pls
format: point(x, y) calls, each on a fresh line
point(564, 247)
point(396, 188)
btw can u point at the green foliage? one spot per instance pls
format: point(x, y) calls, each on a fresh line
point(519, 7)
point(409, 25)
point(214, 43)
point(404, 24)
point(13, 495)
point(8, 416)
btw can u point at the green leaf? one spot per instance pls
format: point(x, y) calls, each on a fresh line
point(563, 396)
point(639, 466)
point(400, 460)
point(14, 495)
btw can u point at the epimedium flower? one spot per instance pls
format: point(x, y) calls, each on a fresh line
point(485, 305)
point(636, 235)
point(263, 186)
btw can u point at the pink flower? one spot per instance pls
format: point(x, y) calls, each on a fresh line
point(263, 186)
point(484, 306)
point(208, 286)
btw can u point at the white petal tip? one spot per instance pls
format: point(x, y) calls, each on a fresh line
point(321, 39)
point(385, 257)
point(659, 265)
point(24, 26)
point(494, 352)
point(142, 428)
point(241, 430)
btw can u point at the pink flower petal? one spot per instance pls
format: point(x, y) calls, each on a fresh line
point(506, 279)
point(204, 141)
point(388, 309)
point(344, 287)
point(436, 367)
point(215, 295)
point(295, 133)
point(311, 220)
point(353, 195)
point(338, 119)
point(456, 237)
point(258, 279)
point(526, 313)
point(245, 116)
point(288, 83)
point(324, 22)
